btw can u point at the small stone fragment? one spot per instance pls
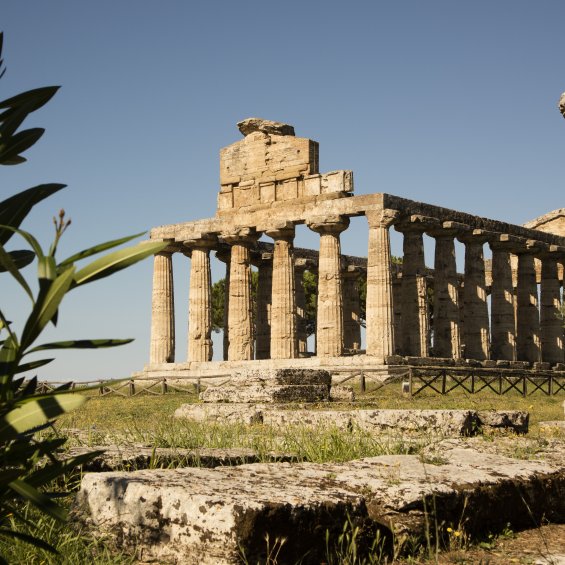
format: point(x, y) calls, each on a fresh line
point(270, 127)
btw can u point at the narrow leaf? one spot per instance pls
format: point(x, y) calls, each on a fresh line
point(46, 268)
point(44, 503)
point(36, 542)
point(34, 98)
point(21, 258)
point(7, 263)
point(117, 260)
point(36, 412)
point(32, 365)
point(20, 142)
point(45, 307)
point(97, 249)
point(81, 344)
point(14, 209)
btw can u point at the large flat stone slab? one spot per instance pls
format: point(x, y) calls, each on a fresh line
point(212, 516)
point(438, 422)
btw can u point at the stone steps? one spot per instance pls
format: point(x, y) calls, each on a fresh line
point(213, 516)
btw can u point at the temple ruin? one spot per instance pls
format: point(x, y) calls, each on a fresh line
point(502, 312)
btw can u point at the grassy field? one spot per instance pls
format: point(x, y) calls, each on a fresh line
point(148, 420)
point(146, 413)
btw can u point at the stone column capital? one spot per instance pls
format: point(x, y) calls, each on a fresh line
point(260, 258)
point(476, 236)
point(241, 236)
point(284, 232)
point(351, 271)
point(382, 218)
point(417, 224)
point(301, 264)
point(530, 247)
point(203, 243)
point(448, 230)
point(553, 253)
point(328, 224)
point(506, 242)
point(223, 255)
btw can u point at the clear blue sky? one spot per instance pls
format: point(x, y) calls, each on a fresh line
point(447, 102)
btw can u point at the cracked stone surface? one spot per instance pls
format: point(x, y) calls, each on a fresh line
point(438, 422)
point(213, 515)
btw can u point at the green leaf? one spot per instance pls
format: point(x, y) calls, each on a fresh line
point(116, 261)
point(46, 307)
point(47, 474)
point(7, 263)
point(21, 258)
point(43, 502)
point(19, 143)
point(13, 210)
point(37, 411)
point(97, 249)
point(36, 542)
point(46, 268)
point(31, 366)
point(80, 344)
point(33, 98)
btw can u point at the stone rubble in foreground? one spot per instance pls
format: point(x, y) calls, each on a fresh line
point(214, 516)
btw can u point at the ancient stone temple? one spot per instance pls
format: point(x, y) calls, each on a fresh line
point(496, 312)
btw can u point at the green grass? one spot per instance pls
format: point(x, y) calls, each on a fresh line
point(74, 545)
point(143, 412)
point(149, 420)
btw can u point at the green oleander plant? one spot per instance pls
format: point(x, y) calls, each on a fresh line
point(31, 461)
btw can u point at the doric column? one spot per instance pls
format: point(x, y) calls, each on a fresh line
point(351, 307)
point(224, 255)
point(551, 326)
point(475, 309)
point(414, 319)
point(503, 321)
point(380, 303)
point(528, 346)
point(397, 305)
point(301, 333)
point(283, 305)
point(329, 326)
point(263, 320)
point(447, 339)
point(240, 316)
point(162, 344)
point(200, 298)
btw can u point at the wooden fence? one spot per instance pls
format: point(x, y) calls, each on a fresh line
point(414, 380)
point(444, 380)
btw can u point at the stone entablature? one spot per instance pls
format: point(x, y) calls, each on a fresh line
point(272, 165)
point(271, 162)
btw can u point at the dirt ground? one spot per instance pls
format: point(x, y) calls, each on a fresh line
point(539, 546)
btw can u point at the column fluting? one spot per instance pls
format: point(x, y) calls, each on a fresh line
point(162, 343)
point(329, 326)
point(379, 309)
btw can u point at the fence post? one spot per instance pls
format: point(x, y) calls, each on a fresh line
point(131, 388)
point(198, 387)
point(164, 386)
point(362, 381)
